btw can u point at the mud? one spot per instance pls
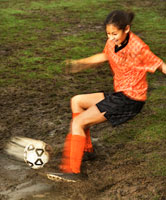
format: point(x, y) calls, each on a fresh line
point(40, 110)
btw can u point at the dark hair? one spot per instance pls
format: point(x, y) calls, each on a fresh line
point(119, 18)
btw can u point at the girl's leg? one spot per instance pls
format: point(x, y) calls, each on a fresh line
point(80, 103)
point(89, 117)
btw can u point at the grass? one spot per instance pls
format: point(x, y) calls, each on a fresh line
point(37, 36)
point(40, 32)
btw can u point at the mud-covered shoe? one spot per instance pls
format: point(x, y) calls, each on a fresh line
point(66, 177)
point(89, 156)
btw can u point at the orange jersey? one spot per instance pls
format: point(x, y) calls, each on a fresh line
point(130, 66)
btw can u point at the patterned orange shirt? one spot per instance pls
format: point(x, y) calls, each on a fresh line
point(130, 66)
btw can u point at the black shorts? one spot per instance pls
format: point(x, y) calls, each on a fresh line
point(119, 108)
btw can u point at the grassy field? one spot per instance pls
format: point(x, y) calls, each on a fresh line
point(37, 36)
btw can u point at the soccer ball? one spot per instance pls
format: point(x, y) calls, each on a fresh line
point(37, 154)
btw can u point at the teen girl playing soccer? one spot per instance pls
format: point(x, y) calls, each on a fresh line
point(130, 59)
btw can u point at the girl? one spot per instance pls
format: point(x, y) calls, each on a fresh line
point(130, 59)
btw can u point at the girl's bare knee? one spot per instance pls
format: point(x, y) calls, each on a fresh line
point(75, 99)
point(75, 103)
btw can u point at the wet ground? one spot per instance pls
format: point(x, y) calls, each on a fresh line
point(40, 110)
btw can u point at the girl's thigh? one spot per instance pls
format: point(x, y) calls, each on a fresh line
point(85, 101)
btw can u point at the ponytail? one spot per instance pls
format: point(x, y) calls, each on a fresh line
point(119, 18)
point(130, 17)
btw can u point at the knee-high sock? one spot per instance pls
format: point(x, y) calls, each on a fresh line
point(65, 162)
point(88, 144)
point(76, 154)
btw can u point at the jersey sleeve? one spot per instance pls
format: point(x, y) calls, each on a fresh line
point(149, 60)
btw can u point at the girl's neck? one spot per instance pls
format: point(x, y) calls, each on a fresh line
point(124, 41)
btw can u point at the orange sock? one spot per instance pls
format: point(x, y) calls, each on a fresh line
point(88, 144)
point(76, 154)
point(65, 163)
point(75, 114)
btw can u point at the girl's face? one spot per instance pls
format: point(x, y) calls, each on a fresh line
point(115, 34)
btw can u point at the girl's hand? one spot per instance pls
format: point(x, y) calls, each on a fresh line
point(163, 68)
point(71, 66)
point(74, 66)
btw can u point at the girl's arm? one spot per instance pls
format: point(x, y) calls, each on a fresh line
point(74, 66)
point(162, 68)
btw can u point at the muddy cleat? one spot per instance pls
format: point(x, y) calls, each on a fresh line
point(89, 156)
point(66, 177)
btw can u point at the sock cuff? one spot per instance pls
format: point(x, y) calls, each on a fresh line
point(75, 114)
point(69, 135)
point(78, 138)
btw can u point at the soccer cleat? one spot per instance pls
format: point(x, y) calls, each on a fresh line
point(66, 177)
point(89, 156)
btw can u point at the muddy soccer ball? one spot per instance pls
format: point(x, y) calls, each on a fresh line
point(37, 154)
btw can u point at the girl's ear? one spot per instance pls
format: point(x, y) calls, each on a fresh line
point(127, 29)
